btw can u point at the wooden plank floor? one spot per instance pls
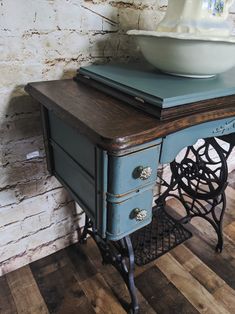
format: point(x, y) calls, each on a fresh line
point(190, 279)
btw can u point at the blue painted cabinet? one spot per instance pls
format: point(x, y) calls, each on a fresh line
point(107, 153)
point(116, 192)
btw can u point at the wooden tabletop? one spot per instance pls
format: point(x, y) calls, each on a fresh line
point(108, 122)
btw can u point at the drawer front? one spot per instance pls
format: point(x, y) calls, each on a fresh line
point(133, 171)
point(78, 182)
point(76, 145)
point(122, 217)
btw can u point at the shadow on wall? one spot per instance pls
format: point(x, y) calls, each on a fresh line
point(27, 190)
point(110, 43)
point(21, 136)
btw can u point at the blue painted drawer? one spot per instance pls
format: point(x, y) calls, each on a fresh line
point(121, 215)
point(125, 172)
point(79, 182)
point(76, 145)
point(173, 143)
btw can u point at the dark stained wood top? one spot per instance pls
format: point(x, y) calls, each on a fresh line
point(110, 123)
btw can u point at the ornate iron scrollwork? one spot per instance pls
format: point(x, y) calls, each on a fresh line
point(199, 181)
point(120, 254)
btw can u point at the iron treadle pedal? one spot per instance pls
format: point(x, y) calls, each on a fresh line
point(159, 237)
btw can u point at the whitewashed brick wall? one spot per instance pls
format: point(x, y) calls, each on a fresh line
point(42, 40)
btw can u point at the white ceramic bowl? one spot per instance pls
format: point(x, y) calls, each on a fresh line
point(186, 54)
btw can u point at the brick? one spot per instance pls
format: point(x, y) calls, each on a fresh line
point(22, 15)
point(20, 128)
point(42, 40)
point(33, 207)
point(17, 151)
point(15, 73)
point(68, 14)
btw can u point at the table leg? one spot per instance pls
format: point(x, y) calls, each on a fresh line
point(199, 182)
point(119, 254)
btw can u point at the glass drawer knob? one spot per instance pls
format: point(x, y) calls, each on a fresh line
point(144, 172)
point(140, 214)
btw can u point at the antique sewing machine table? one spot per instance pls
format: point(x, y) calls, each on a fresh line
point(106, 153)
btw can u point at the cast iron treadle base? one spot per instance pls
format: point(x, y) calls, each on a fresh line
point(158, 238)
